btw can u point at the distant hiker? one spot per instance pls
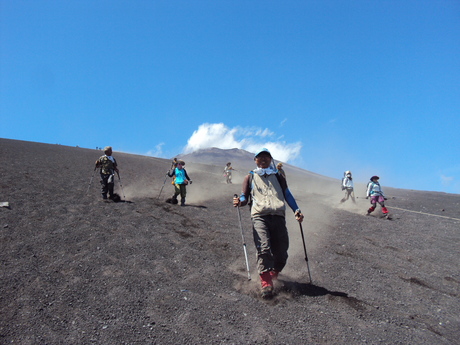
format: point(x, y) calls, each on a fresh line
point(228, 172)
point(347, 186)
point(268, 191)
point(374, 191)
point(181, 180)
point(108, 166)
point(280, 169)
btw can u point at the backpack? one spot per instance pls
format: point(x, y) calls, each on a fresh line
point(106, 165)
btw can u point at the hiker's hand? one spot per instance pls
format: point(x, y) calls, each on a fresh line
point(190, 181)
point(385, 198)
point(298, 216)
point(236, 201)
point(367, 197)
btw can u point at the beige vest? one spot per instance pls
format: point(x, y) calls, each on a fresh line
point(267, 196)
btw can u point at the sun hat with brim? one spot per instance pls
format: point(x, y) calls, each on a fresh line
point(261, 151)
point(375, 177)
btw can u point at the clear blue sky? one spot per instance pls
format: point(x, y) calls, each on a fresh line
point(367, 86)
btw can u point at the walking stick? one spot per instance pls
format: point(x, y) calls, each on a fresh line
point(91, 181)
point(166, 177)
point(244, 243)
point(119, 179)
point(305, 250)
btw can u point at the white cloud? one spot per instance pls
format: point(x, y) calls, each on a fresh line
point(446, 180)
point(157, 152)
point(283, 122)
point(249, 139)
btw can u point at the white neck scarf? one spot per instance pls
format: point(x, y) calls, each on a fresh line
point(266, 171)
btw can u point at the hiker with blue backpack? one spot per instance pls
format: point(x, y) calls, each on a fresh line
point(266, 191)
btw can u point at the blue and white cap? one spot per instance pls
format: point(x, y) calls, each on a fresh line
point(262, 150)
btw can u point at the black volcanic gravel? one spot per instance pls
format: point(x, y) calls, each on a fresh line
point(78, 270)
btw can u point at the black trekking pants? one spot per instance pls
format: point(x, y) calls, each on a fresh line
point(107, 184)
point(272, 242)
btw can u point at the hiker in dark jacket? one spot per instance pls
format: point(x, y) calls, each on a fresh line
point(108, 166)
point(268, 192)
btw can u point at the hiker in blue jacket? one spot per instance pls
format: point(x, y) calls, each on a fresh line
point(181, 180)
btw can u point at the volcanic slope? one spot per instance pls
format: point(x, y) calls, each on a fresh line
point(78, 270)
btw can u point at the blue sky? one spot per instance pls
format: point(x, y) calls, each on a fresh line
point(367, 86)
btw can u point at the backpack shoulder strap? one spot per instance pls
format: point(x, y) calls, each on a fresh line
point(282, 182)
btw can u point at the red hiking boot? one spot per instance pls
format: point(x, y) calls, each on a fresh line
point(267, 285)
point(274, 275)
point(384, 210)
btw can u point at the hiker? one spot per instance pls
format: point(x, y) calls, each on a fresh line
point(280, 169)
point(108, 166)
point(181, 180)
point(374, 191)
point(347, 186)
point(268, 192)
point(228, 172)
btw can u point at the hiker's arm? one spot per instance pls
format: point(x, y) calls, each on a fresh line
point(368, 193)
point(293, 205)
point(244, 197)
point(186, 176)
point(290, 200)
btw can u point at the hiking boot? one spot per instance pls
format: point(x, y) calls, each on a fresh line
point(267, 285)
point(274, 275)
point(104, 196)
point(182, 202)
point(267, 292)
point(384, 210)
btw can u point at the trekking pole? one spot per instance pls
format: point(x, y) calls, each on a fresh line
point(119, 180)
point(305, 250)
point(166, 177)
point(91, 181)
point(244, 243)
